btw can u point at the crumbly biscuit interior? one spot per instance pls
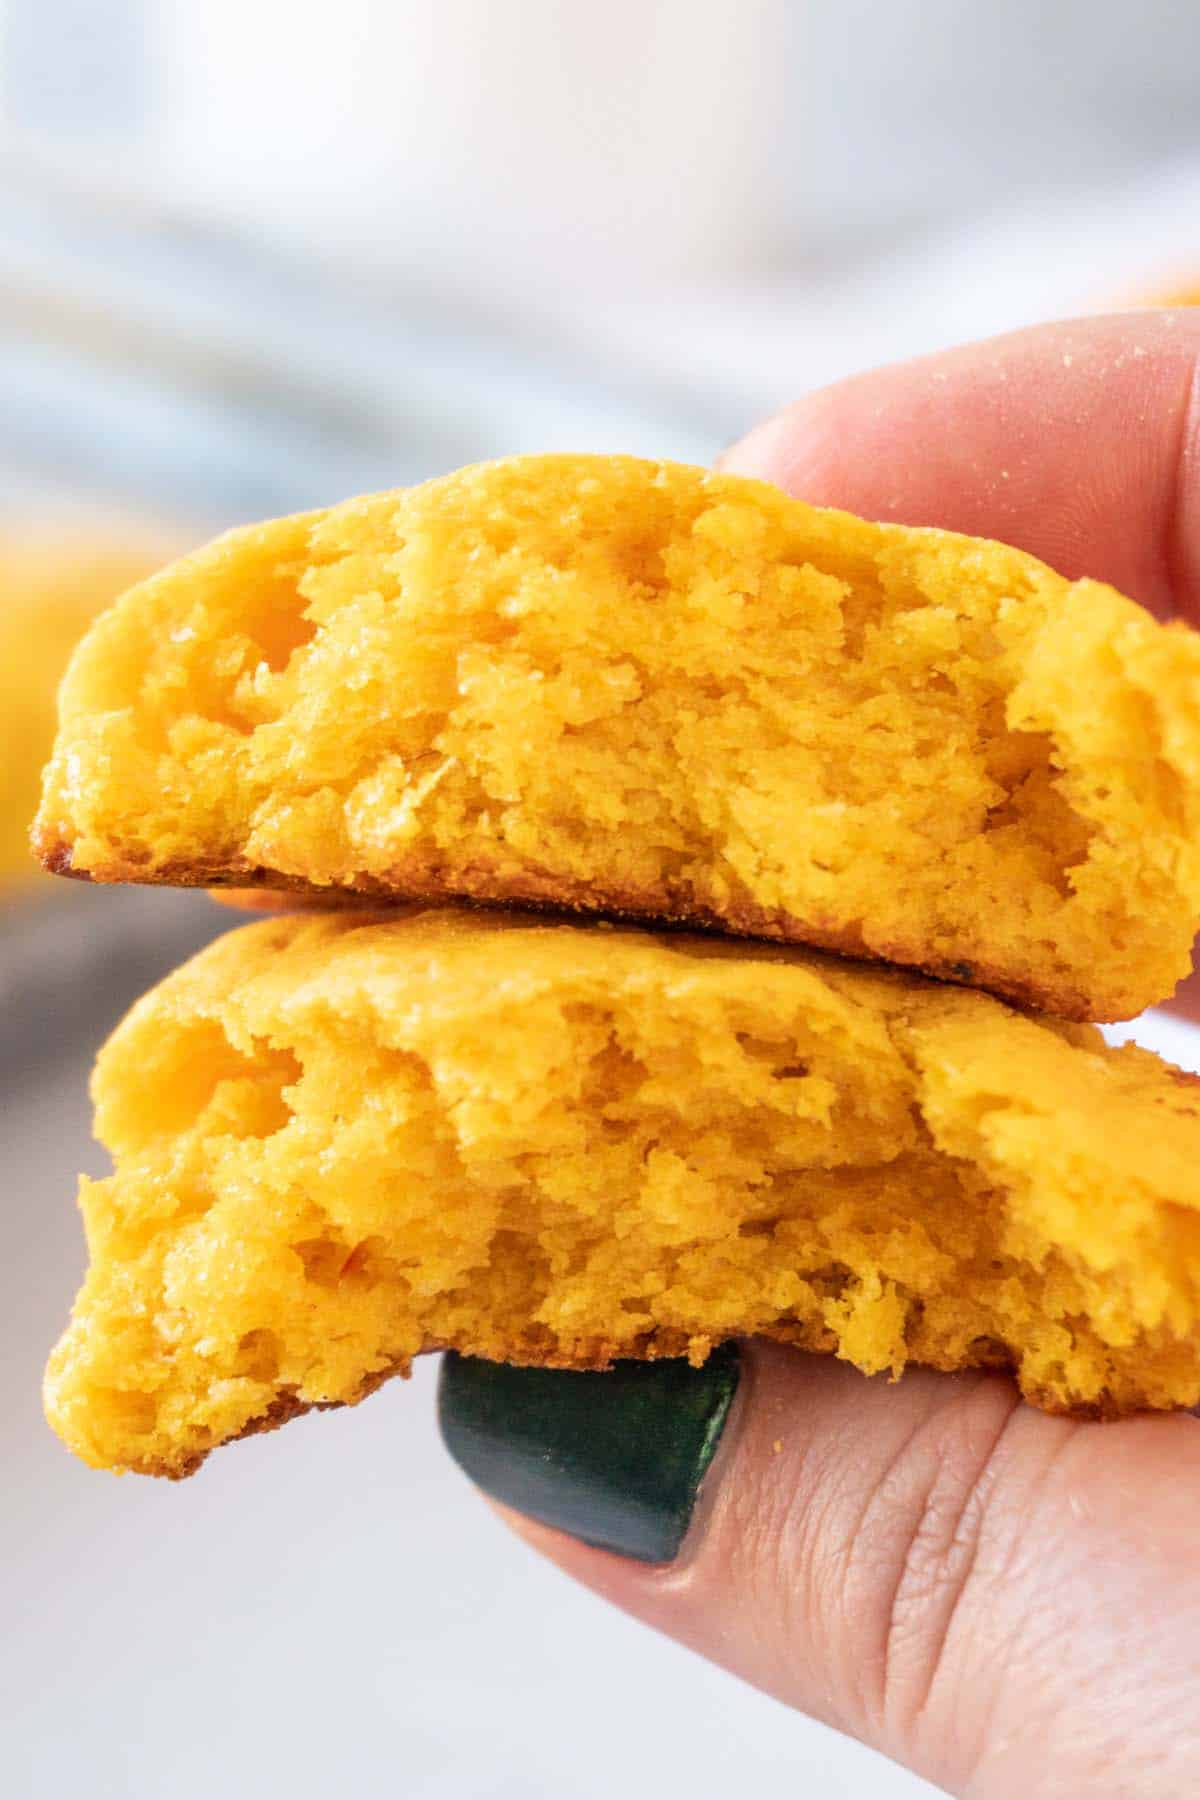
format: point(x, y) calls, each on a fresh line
point(682, 693)
point(338, 1143)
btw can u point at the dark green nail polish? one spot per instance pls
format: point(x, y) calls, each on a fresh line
point(615, 1459)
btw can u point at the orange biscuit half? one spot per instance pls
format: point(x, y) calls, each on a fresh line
point(642, 689)
point(338, 1143)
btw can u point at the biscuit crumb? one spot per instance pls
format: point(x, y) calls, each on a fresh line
point(648, 690)
point(338, 1142)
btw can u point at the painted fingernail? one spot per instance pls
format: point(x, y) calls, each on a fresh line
point(615, 1459)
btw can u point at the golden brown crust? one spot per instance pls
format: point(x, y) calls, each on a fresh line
point(286, 1408)
point(421, 883)
point(653, 1348)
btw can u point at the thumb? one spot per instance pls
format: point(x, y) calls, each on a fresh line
point(1002, 1601)
point(1078, 441)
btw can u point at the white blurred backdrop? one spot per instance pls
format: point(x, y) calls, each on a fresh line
point(260, 254)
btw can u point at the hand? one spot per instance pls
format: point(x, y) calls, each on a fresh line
point(1005, 1602)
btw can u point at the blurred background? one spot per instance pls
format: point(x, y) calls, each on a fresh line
point(257, 256)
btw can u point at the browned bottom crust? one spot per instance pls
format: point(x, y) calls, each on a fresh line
point(420, 882)
point(653, 1348)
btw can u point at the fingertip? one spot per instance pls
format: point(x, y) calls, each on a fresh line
point(604, 1571)
point(1076, 441)
point(757, 454)
point(556, 1546)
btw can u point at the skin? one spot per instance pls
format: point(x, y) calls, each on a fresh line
point(1005, 1602)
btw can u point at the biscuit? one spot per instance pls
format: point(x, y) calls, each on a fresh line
point(641, 689)
point(338, 1143)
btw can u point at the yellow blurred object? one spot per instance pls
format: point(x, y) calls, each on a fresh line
point(1186, 294)
point(52, 585)
point(338, 1143)
point(643, 688)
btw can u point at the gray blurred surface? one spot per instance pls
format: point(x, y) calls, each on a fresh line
point(148, 360)
point(74, 957)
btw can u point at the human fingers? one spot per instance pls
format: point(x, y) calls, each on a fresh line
point(1077, 441)
point(1005, 1602)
